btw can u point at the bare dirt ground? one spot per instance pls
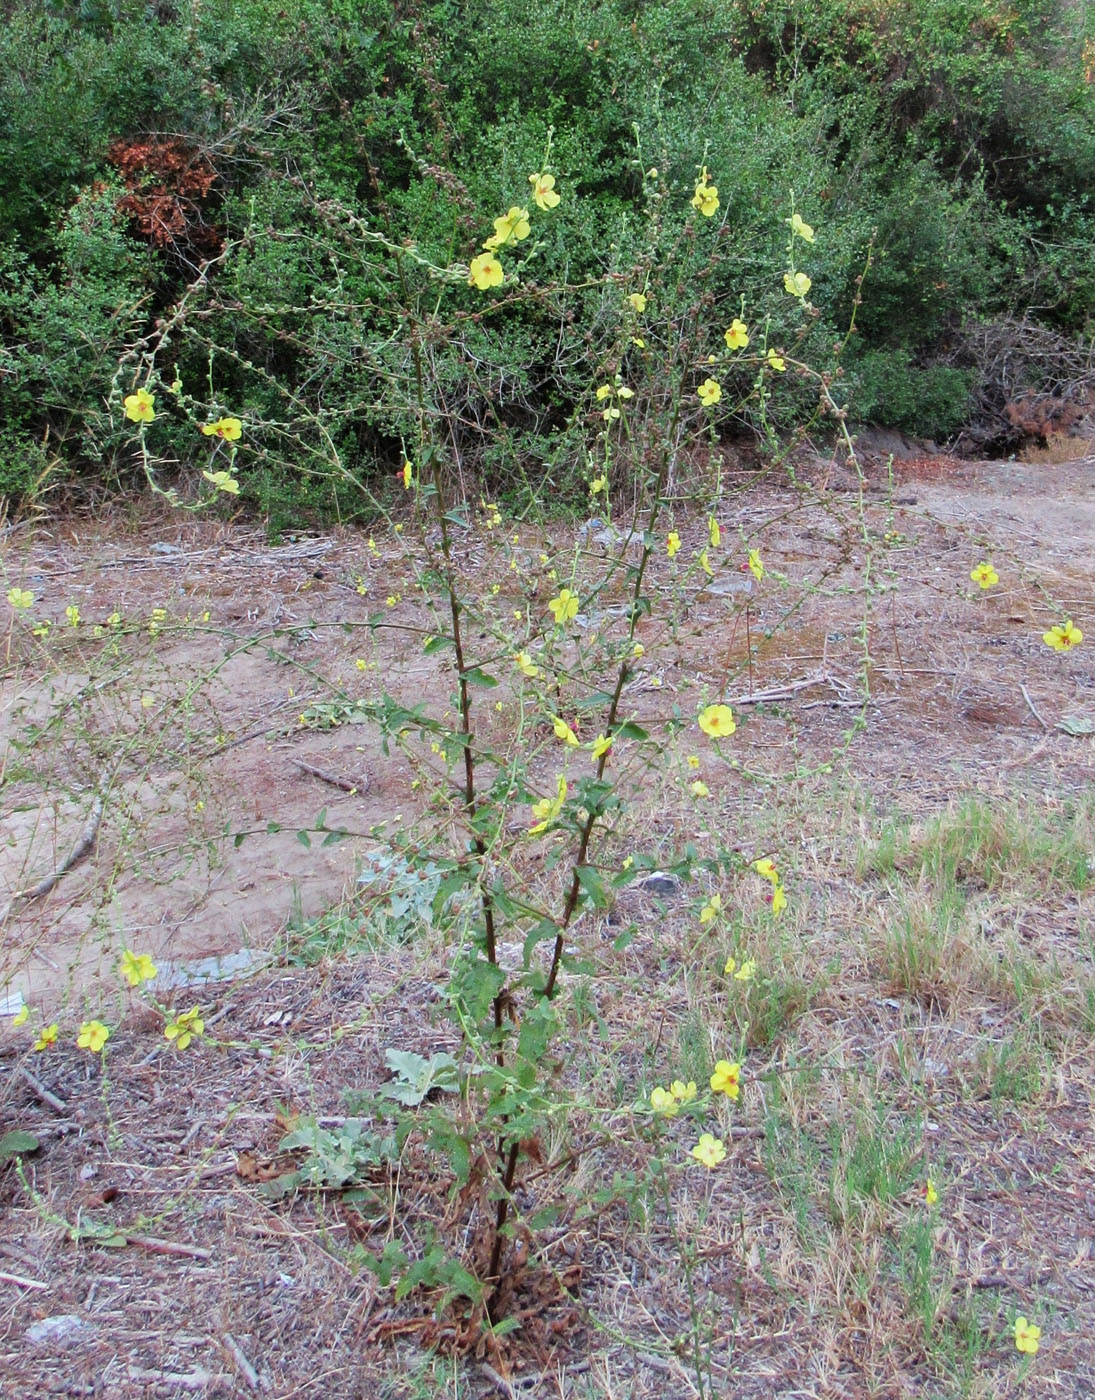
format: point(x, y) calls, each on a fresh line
point(203, 758)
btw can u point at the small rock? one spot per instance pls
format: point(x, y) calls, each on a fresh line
point(11, 1003)
point(200, 971)
point(66, 1329)
point(161, 547)
point(660, 882)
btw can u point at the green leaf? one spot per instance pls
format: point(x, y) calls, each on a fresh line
point(543, 931)
point(304, 839)
point(475, 675)
point(16, 1143)
point(596, 700)
point(1076, 725)
point(508, 1324)
point(436, 644)
point(630, 730)
point(280, 1186)
point(476, 982)
point(590, 880)
point(415, 1076)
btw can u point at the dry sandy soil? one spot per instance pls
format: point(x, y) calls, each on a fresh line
point(195, 757)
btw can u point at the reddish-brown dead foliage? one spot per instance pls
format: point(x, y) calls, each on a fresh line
point(167, 182)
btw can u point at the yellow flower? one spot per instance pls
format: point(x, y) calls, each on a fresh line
point(714, 534)
point(1026, 1336)
point(223, 481)
point(510, 228)
point(745, 973)
point(20, 599)
point(543, 191)
point(564, 732)
point(391, 600)
point(931, 1195)
point(692, 760)
point(525, 664)
point(93, 1036)
point(604, 392)
point(717, 721)
point(136, 968)
point(767, 870)
point(638, 341)
point(776, 360)
point(756, 566)
point(711, 910)
point(800, 229)
point(72, 612)
point(601, 745)
point(984, 575)
point(184, 1026)
point(737, 335)
point(623, 392)
point(706, 197)
point(700, 789)
point(564, 607)
point(408, 475)
point(1063, 637)
point(548, 808)
point(709, 392)
point(796, 284)
point(663, 1102)
point(709, 1150)
point(21, 1017)
point(47, 1037)
point(682, 1092)
point(638, 649)
point(599, 483)
point(705, 564)
point(140, 407)
point(779, 900)
point(672, 543)
point(638, 302)
point(228, 429)
point(485, 271)
point(726, 1079)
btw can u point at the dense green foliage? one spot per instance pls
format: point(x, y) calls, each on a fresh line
point(217, 153)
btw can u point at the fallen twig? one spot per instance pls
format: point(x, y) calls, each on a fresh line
point(155, 1246)
point(197, 1379)
point(40, 1091)
point(497, 1380)
point(343, 783)
point(779, 692)
point(24, 1282)
point(78, 852)
point(247, 1371)
point(1032, 707)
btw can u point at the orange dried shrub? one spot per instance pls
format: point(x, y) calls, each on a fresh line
point(167, 183)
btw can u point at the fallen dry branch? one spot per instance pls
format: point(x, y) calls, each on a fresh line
point(40, 1091)
point(155, 1246)
point(344, 784)
point(81, 849)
